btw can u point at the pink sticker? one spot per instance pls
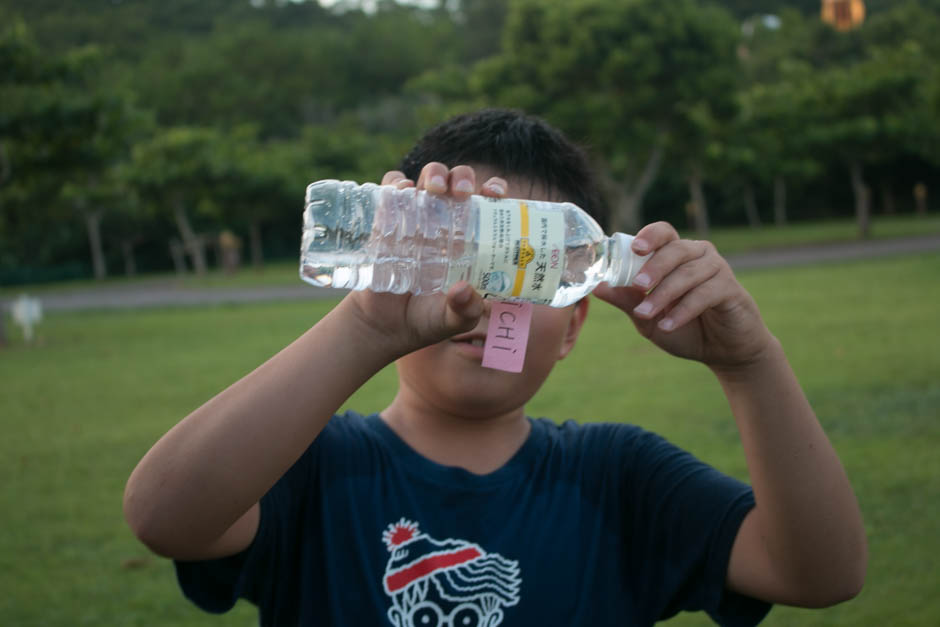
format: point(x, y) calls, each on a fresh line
point(507, 336)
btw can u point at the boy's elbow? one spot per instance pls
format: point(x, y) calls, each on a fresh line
point(840, 592)
point(855, 570)
point(841, 584)
point(853, 580)
point(145, 524)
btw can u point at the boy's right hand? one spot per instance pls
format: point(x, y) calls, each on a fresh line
point(403, 323)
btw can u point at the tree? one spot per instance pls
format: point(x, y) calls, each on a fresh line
point(257, 181)
point(772, 132)
point(178, 170)
point(870, 112)
point(104, 124)
point(65, 132)
point(282, 77)
point(632, 79)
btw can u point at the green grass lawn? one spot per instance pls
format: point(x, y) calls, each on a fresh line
point(80, 408)
point(742, 239)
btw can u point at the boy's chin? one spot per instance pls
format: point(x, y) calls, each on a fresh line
point(454, 373)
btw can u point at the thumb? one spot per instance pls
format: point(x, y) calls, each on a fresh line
point(623, 298)
point(464, 308)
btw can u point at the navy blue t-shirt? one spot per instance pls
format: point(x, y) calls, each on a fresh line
point(596, 524)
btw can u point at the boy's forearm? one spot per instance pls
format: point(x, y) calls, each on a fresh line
point(215, 464)
point(810, 524)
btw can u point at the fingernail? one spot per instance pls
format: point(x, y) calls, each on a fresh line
point(462, 297)
point(644, 308)
point(464, 186)
point(496, 188)
point(667, 324)
point(641, 245)
point(642, 280)
point(437, 183)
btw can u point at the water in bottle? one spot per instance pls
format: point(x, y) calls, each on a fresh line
point(407, 240)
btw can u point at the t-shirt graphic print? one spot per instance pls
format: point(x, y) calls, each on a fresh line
point(445, 583)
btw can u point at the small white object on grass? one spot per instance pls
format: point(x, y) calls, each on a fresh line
point(27, 312)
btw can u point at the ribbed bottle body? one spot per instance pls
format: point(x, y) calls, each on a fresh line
point(390, 240)
point(384, 239)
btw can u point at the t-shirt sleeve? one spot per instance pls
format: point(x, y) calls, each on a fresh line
point(682, 518)
point(216, 585)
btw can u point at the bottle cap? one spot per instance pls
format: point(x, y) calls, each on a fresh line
point(629, 262)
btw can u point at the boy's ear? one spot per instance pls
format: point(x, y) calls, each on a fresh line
point(578, 316)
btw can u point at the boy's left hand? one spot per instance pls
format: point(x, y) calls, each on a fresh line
point(687, 301)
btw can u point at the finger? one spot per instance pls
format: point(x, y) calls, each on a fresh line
point(624, 298)
point(653, 236)
point(668, 258)
point(433, 178)
point(693, 304)
point(681, 281)
point(393, 177)
point(462, 181)
point(495, 187)
point(464, 307)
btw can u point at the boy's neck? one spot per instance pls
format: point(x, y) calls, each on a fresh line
point(479, 445)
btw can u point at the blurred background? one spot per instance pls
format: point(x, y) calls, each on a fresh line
point(134, 134)
point(155, 154)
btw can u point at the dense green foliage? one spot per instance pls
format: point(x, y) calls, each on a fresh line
point(132, 133)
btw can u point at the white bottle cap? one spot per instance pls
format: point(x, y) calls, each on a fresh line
point(629, 262)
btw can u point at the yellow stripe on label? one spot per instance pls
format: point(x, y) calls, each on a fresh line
point(525, 250)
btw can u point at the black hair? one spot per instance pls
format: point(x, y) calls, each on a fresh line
point(516, 145)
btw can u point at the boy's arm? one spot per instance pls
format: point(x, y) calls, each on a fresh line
point(195, 494)
point(804, 542)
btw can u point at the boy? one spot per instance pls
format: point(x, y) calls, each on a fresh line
point(451, 507)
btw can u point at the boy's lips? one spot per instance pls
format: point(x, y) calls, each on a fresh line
point(470, 344)
point(472, 337)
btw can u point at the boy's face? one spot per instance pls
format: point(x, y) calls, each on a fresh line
point(449, 375)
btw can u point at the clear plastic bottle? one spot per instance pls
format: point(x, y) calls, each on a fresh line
point(404, 240)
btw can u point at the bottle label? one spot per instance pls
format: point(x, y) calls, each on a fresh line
point(521, 248)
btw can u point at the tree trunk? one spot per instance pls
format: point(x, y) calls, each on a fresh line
point(780, 201)
point(193, 244)
point(698, 207)
point(3, 325)
point(887, 198)
point(920, 198)
point(93, 226)
point(628, 202)
point(862, 195)
point(257, 254)
point(750, 207)
point(127, 250)
point(178, 256)
point(5, 169)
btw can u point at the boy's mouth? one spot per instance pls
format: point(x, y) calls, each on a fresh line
point(475, 340)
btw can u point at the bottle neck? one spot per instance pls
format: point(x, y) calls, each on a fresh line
point(622, 263)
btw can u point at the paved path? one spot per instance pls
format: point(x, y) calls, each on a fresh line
point(169, 294)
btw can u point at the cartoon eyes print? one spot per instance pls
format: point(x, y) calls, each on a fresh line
point(429, 615)
point(466, 616)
